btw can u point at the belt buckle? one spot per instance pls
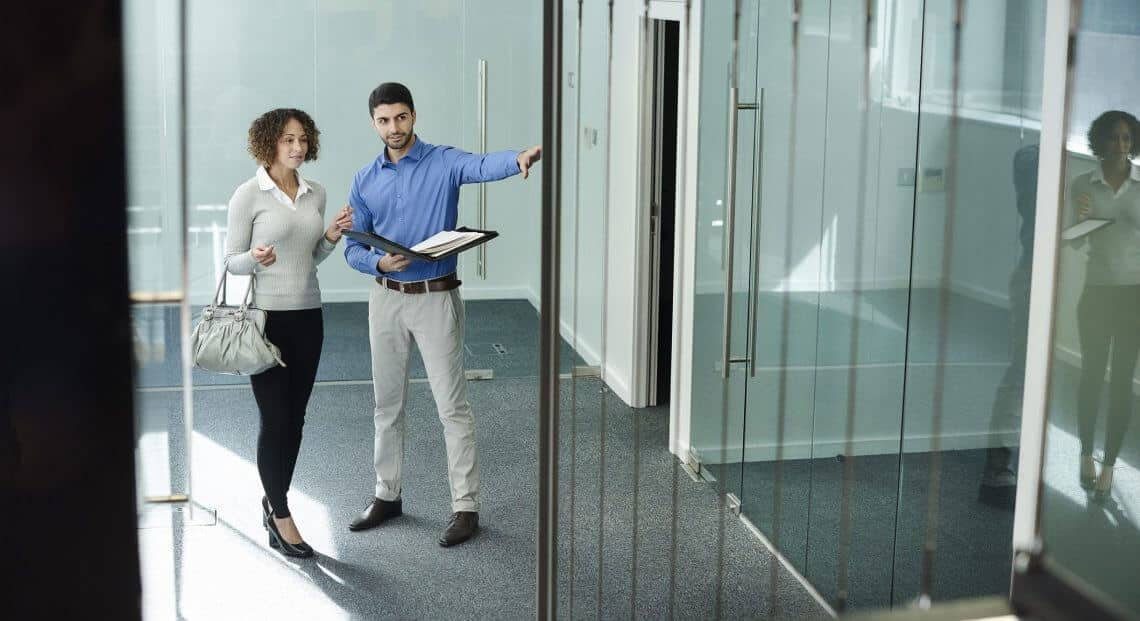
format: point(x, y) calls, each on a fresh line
point(410, 286)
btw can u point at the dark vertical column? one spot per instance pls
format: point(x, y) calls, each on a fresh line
point(667, 229)
point(67, 500)
point(549, 340)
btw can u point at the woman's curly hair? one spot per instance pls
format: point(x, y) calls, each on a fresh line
point(1100, 131)
point(266, 130)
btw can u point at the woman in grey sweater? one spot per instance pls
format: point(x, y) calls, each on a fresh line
point(1107, 313)
point(276, 233)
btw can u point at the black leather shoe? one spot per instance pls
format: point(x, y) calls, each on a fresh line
point(462, 527)
point(299, 550)
point(377, 513)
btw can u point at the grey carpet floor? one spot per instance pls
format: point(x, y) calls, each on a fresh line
point(674, 557)
point(887, 529)
point(889, 500)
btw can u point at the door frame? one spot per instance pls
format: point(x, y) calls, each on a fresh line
point(684, 209)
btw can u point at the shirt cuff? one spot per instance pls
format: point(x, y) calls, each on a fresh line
point(375, 257)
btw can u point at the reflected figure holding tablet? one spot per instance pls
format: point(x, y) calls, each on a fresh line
point(407, 195)
point(1108, 313)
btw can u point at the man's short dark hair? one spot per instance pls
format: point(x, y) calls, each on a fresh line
point(390, 93)
point(1100, 131)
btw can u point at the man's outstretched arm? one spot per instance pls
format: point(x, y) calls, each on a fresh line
point(480, 168)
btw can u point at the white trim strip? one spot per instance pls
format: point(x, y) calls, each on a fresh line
point(1039, 350)
point(787, 565)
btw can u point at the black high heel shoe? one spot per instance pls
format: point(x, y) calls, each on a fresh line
point(266, 515)
point(299, 550)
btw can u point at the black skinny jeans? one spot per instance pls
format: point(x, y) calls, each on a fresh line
point(282, 394)
point(1107, 315)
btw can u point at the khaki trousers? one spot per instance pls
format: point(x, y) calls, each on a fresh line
point(434, 320)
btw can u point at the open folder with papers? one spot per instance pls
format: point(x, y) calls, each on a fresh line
point(1084, 227)
point(437, 247)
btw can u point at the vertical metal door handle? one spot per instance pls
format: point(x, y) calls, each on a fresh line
point(481, 261)
point(757, 187)
point(730, 227)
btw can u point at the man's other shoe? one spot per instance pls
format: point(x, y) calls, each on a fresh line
point(460, 528)
point(998, 488)
point(1088, 472)
point(377, 513)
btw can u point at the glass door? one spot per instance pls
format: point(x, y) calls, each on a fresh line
point(787, 68)
point(864, 241)
point(721, 303)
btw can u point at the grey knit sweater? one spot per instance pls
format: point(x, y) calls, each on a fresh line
point(257, 216)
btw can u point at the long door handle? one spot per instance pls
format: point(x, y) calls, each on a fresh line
point(730, 228)
point(734, 107)
point(481, 261)
point(757, 197)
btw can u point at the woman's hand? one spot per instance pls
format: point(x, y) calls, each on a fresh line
point(343, 222)
point(1084, 206)
point(265, 255)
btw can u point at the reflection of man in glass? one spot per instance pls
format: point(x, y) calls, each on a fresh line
point(999, 480)
point(1108, 314)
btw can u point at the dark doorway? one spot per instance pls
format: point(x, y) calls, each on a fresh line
point(663, 181)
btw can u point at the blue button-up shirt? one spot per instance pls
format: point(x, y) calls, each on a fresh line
point(409, 201)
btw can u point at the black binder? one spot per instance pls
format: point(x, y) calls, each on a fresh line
point(375, 241)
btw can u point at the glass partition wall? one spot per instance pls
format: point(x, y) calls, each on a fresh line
point(198, 73)
point(865, 184)
point(862, 284)
point(1089, 482)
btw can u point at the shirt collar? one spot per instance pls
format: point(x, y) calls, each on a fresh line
point(1098, 174)
point(416, 153)
point(265, 182)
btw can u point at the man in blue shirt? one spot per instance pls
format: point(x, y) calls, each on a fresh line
point(407, 194)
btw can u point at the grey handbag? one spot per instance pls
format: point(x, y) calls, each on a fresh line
point(231, 339)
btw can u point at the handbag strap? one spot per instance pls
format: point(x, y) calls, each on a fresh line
point(220, 292)
point(248, 298)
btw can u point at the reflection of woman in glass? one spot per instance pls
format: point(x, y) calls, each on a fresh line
point(1108, 314)
point(276, 231)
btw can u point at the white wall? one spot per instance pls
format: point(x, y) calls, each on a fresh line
point(624, 164)
point(585, 135)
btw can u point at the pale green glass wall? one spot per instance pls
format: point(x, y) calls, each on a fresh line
point(324, 57)
point(846, 253)
point(1092, 528)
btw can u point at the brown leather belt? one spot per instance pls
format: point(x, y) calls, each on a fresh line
point(443, 283)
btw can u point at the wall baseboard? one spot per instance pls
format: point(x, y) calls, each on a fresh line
point(969, 290)
point(884, 445)
point(589, 353)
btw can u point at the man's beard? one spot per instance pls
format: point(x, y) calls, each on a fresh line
point(403, 142)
